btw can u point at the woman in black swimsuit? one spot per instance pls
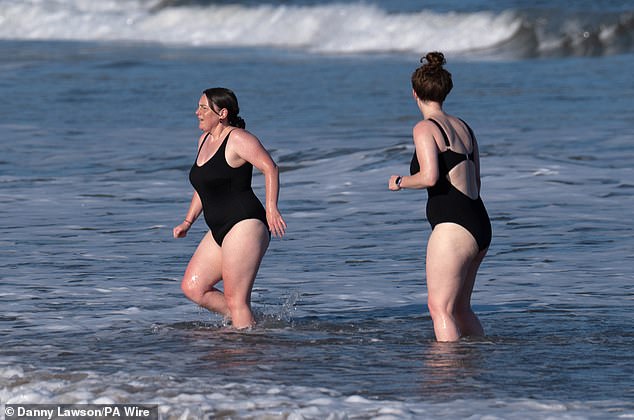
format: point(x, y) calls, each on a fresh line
point(446, 162)
point(239, 225)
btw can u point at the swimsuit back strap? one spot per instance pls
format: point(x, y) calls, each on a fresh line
point(444, 134)
point(470, 131)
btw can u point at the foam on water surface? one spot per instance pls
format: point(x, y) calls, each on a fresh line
point(330, 28)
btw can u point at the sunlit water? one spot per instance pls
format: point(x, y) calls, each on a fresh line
point(96, 143)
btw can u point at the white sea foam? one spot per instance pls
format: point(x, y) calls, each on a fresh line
point(256, 400)
point(331, 29)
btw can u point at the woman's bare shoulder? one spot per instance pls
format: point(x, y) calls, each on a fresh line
point(242, 136)
point(424, 129)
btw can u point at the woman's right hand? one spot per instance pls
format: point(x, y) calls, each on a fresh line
point(181, 230)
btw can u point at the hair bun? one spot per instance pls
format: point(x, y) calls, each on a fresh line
point(435, 60)
point(238, 121)
point(431, 81)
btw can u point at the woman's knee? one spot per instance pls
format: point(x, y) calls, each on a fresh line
point(191, 288)
point(438, 308)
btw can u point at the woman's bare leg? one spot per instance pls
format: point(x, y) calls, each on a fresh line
point(450, 250)
point(467, 320)
point(203, 272)
point(242, 252)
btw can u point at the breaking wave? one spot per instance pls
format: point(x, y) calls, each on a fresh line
point(357, 28)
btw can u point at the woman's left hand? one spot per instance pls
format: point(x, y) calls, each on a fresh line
point(392, 183)
point(277, 225)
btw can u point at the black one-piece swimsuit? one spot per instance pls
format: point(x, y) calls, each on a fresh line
point(225, 192)
point(445, 203)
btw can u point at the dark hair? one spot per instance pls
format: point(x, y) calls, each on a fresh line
point(225, 98)
point(431, 81)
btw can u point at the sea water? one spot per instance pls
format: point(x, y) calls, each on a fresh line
point(97, 134)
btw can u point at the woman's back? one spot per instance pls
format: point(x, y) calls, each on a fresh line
point(459, 149)
point(458, 159)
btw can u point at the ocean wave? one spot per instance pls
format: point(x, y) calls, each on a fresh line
point(326, 29)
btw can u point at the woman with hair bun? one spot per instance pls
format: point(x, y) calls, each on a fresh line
point(446, 162)
point(239, 226)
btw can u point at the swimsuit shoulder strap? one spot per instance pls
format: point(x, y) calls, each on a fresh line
point(470, 131)
point(201, 145)
point(203, 142)
point(444, 134)
point(223, 147)
point(472, 136)
point(224, 142)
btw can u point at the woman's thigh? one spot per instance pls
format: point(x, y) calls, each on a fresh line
point(450, 250)
point(205, 266)
point(242, 251)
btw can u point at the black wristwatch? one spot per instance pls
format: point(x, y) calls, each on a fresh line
point(398, 181)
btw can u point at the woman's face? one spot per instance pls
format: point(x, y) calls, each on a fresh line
point(208, 117)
